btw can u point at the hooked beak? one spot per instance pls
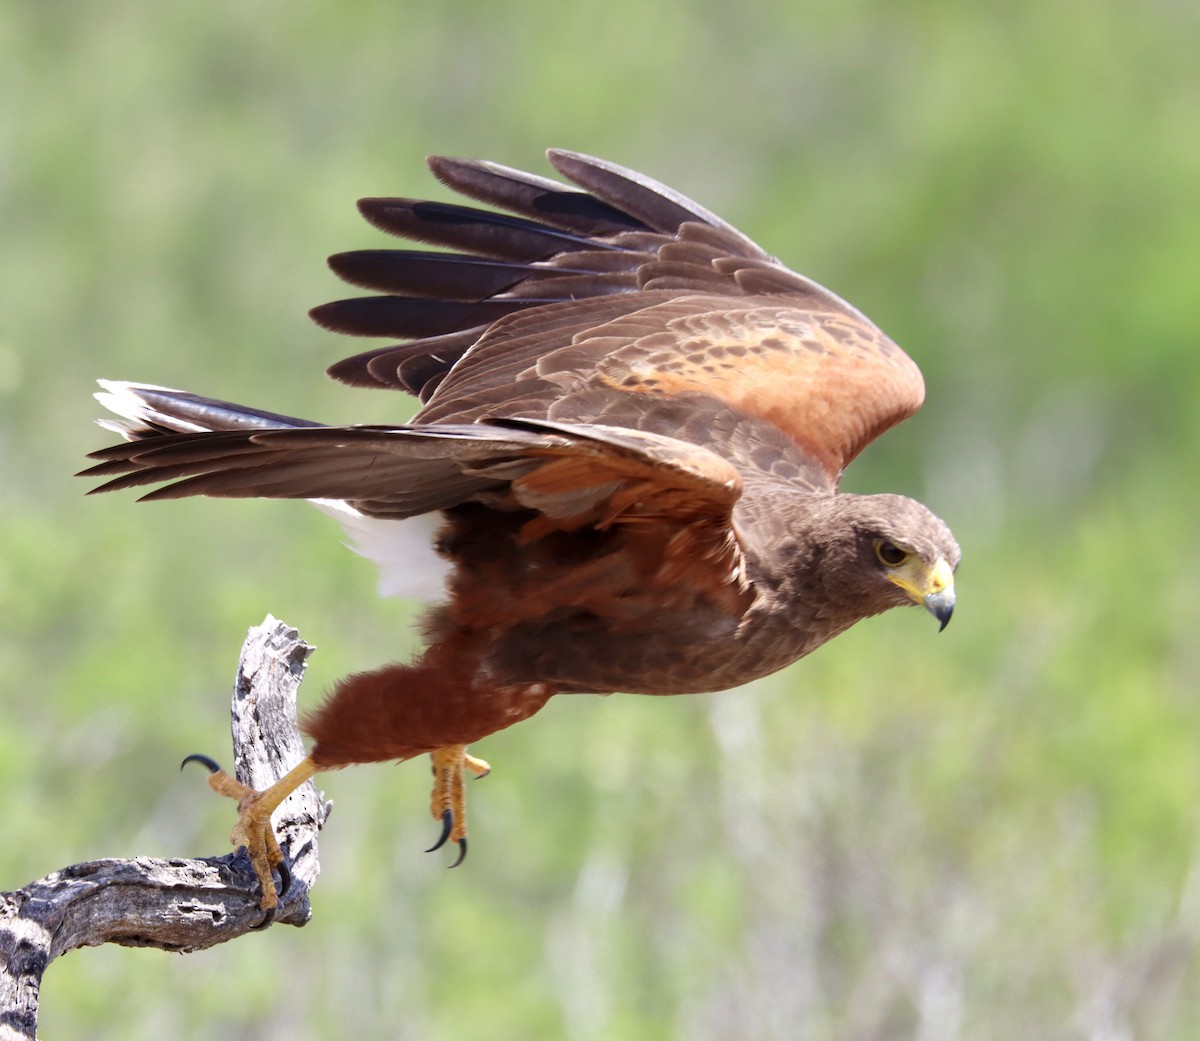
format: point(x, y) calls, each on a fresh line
point(931, 587)
point(941, 606)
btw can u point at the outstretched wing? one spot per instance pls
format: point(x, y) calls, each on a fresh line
point(674, 497)
point(573, 474)
point(608, 303)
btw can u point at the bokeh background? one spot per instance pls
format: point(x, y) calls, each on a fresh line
point(992, 833)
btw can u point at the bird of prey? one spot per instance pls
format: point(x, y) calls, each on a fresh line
point(623, 475)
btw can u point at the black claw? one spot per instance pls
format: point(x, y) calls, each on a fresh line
point(447, 825)
point(285, 878)
point(462, 852)
point(213, 766)
point(243, 854)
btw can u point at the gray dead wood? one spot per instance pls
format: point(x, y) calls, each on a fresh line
point(177, 905)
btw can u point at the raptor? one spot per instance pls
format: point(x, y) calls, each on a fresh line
point(623, 475)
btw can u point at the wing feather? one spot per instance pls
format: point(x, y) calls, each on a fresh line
point(606, 296)
point(572, 475)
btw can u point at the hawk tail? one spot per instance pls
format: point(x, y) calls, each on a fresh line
point(143, 410)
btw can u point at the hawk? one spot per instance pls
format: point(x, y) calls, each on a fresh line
point(623, 475)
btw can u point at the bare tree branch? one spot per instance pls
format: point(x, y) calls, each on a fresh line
point(177, 905)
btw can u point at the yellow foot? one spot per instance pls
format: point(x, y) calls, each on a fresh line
point(253, 830)
point(449, 801)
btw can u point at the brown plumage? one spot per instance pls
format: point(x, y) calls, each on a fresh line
point(634, 423)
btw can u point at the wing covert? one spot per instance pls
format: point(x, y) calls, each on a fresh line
point(832, 382)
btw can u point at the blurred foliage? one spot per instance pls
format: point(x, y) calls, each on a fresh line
point(989, 834)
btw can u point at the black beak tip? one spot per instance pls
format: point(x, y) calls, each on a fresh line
point(941, 607)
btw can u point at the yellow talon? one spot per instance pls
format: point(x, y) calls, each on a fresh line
point(253, 830)
point(448, 802)
point(479, 767)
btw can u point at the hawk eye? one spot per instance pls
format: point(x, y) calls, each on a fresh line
point(889, 553)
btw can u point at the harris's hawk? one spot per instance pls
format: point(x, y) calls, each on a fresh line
point(623, 476)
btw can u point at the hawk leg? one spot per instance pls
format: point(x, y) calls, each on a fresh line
point(253, 830)
point(449, 800)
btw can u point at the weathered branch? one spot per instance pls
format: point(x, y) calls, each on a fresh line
point(177, 905)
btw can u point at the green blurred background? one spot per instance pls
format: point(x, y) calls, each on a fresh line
point(992, 833)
